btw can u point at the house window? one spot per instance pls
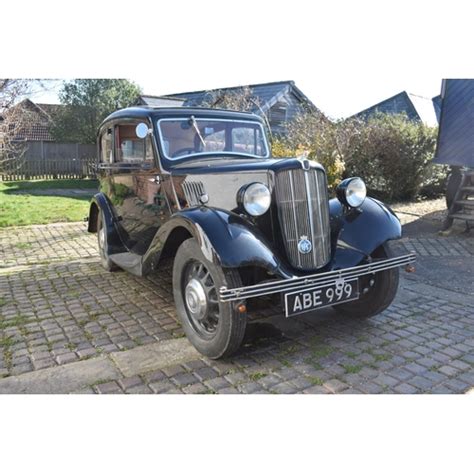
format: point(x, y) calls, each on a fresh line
point(277, 115)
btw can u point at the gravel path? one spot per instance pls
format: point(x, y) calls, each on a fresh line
point(434, 209)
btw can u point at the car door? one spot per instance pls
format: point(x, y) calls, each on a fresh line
point(134, 186)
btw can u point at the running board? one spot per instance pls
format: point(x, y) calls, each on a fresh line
point(130, 262)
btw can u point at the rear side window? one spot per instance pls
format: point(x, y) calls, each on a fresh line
point(129, 148)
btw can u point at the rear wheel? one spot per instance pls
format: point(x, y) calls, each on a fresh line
point(377, 290)
point(103, 246)
point(215, 329)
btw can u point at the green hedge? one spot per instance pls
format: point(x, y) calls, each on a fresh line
point(390, 152)
point(393, 155)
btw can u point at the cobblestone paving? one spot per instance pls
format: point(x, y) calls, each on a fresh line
point(61, 312)
point(455, 246)
point(41, 244)
point(420, 345)
point(63, 307)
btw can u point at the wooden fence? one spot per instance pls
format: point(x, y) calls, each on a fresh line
point(47, 160)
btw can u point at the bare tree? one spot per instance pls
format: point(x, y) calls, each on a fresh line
point(240, 99)
point(13, 122)
point(11, 90)
point(16, 118)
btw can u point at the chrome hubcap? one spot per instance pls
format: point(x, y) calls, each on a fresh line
point(196, 300)
point(200, 299)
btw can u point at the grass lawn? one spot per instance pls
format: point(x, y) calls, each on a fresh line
point(29, 202)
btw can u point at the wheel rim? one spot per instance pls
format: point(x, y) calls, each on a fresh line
point(102, 238)
point(200, 299)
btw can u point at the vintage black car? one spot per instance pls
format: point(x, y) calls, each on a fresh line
point(200, 186)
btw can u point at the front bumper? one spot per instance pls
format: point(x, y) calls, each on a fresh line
point(313, 282)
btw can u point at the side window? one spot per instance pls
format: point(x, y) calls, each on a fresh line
point(106, 146)
point(129, 148)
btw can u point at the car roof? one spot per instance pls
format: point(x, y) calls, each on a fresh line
point(146, 112)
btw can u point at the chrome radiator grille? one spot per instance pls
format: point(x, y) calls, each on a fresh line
point(303, 211)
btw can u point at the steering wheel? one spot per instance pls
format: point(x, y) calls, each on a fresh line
point(183, 151)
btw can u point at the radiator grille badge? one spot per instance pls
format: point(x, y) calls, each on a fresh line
point(304, 245)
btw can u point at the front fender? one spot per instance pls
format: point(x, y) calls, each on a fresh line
point(225, 239)
point(357, 233)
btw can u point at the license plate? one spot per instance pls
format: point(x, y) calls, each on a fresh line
point(309, 299)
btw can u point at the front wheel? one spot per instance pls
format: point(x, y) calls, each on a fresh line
point(214, 328)
point(377, 290)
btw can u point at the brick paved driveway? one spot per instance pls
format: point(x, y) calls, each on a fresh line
point(58, 306)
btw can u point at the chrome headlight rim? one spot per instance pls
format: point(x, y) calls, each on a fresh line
point(352, 192)
point(255, 199)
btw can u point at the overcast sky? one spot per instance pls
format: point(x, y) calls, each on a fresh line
point(345, 56)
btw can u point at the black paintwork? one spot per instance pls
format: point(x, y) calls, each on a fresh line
point(149, 217)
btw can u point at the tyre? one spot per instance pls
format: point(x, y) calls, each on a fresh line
point(214, 328)
point(103, 246)
point(377, 290)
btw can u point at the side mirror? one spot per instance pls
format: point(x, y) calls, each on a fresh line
point(141, 130)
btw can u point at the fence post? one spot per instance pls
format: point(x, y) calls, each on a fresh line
point(43, 160)
point(76, 165)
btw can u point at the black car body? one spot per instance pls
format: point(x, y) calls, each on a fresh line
point(192, 188)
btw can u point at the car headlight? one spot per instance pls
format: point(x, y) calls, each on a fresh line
point(255, 199)
point(351, 192)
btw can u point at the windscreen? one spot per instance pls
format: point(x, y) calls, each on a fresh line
point(184, 137)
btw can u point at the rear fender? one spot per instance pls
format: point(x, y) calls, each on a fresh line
point(114, 242)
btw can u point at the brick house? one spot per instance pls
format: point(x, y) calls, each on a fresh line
point(29, 121)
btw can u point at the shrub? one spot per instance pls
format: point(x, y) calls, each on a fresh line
point(390, 152)
point(314, 136)
point(434, 181)
point(393, 155)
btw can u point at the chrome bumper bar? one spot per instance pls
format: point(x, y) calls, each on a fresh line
point(313, 281)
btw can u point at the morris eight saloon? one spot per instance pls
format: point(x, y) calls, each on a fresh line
point(200, 186)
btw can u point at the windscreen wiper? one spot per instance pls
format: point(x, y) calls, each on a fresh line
point(193, 122)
